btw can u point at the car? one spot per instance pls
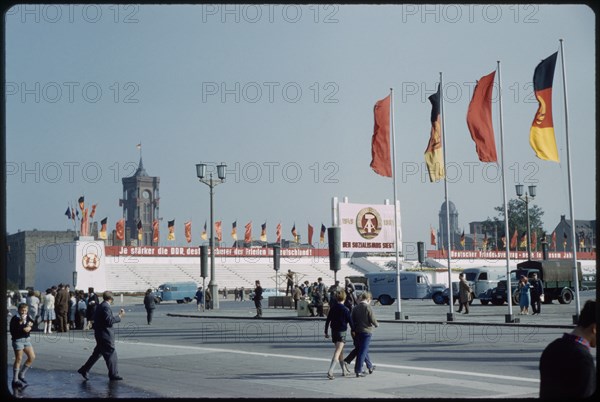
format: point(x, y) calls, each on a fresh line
point(268, 292)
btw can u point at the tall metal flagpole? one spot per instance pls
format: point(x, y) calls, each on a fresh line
point(508, 317)
point(450, 314)
point(571, 202)
point(398, 314)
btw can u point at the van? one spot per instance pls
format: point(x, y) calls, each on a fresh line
point(413, 285)
point(483, 280)
point(183, 292)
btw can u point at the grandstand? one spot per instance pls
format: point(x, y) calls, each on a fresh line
point(230, 273)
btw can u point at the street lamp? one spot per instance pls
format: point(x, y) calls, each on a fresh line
point(211, 183)
point(526, 198)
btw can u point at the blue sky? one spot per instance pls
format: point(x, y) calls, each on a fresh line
point(284, 96)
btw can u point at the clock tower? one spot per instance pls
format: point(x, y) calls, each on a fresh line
point(140, 204)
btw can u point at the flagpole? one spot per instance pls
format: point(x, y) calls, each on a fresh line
point(571, 202)
point(450, 314)
point(398, 314)
point(509, 317)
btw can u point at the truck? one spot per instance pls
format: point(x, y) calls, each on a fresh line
point(413, 285)
point(557, 276)
point(183, 292)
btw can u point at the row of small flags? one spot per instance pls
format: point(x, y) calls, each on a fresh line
point(73, 214)
point(513, 240)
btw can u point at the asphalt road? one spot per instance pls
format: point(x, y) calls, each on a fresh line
point(228, 354)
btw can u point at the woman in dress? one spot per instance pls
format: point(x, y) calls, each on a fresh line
point(49, 313)
point(524, 294)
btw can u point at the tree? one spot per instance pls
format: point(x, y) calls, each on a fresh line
point(517, 218)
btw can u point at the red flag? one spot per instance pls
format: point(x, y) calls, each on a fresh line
point(533, 240)
point(479, 119)
point(278, 232)
point(188, 231)
point(541, 134)
point(322, 236)
point(310, 233)
point(155, 231)
point(433, 238)
point(485, 240)
point(84, 223)
point(93, 211)
point(218, 230)
point(72, 213)
point(554, 241)
point(248, 233)
point(381, 161)
point(513, 240)
point(120, 228)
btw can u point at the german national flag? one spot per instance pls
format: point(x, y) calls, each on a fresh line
point(102, 233)
point(140, 229)
point(81, 202)
point(541, 135)
point(434, 156)
point(171, 226)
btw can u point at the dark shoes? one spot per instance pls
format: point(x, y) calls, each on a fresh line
point(116, 378)
point(83, 373)
point(19, 385)
point(360, 375)
point(372, 369)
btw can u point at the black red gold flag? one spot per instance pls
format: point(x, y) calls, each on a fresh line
point(171, 226)
point(322, 236)
point(541, 135)
point(434, 157)
point(102, 233)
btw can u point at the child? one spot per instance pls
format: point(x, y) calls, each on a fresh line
point(20, 327)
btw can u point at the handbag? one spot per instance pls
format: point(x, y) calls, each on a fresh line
point(542, 297)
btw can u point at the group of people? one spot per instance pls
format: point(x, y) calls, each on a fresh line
point(531, 293)
point(60, 309)
point(204, 299)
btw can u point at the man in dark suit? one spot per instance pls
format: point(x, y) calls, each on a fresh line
point(105, 339)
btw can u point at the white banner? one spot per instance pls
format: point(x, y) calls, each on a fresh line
point(368, 227)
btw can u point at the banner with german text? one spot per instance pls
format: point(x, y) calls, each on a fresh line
point(368, 227)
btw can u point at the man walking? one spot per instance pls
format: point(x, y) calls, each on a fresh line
point(105, 339)
point(464, 293)
point(537, 293)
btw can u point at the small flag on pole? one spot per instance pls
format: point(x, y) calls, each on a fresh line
point(278, 233)
point(462, 239)
point(171, 226)
point(120, 229)
point(188, 231)
point(81, 203)
point(248, 233)
point(140, 229)
point(294, 233)
point(204, 236)
point(263, 232)
point(155, 231)
point(433, 237)
point(513, 240)
point(93, 212)
point(234, 230)
point(68, 213)
point(310, 233)
point(102, 233)
point(322, 236)
point(218, 231)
